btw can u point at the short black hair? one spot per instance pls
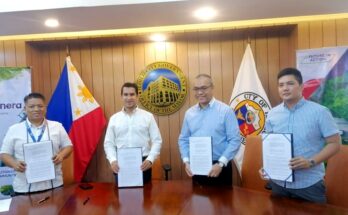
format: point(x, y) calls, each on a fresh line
point(130, 85)
point(291, 71)
point(34, 95)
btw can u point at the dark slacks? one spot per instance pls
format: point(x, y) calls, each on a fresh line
point(224, 179)
point(314, 193)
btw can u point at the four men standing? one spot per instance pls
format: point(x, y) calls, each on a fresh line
point(311, 125)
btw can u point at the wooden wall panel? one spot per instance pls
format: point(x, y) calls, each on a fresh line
point(329, 33)
point(261, 58)
point(105, 65)
point(227, 69)
point(193, 65)
point(215, 63)
point(203, 53)
point(2, 54)
point(108, 80)
point(174, 119)
point(182, 62)
point(316, 34)
point(20, 53)
point(163, 121)
point(237, 52)
point(342, 32)
point(118, 74)
point(273, 68)
point(54, 65)
point(46, 74)
point(10, 53)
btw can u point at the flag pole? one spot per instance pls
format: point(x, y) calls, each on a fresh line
point(67, 50)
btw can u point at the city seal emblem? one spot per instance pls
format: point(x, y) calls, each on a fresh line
point(251, 111)
point(162, 88)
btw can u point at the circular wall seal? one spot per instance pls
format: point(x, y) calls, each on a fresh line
point(251, 111)
point(162, 88)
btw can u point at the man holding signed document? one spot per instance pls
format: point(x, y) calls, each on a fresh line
point(209, 137)
point(311, 126)
point(35, 149)
point(132, 141)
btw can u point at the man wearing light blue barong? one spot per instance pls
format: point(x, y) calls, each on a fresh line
point(210, 118)
point(311, 125)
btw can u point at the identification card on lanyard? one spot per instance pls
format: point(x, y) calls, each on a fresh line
point(32, 135)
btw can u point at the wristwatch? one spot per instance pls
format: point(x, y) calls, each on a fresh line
point(221, 164)
point(311, 163)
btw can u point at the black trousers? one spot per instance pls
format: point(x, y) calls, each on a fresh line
point(224, 179)
point(147, 175)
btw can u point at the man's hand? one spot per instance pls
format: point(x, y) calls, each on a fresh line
point(62, 154)
point(114, 167)
point(299, 163)
point(58, 158)
point(215, 171)
point(263, 174)
point(188, 169)
point(20, 166)
point(146, 165)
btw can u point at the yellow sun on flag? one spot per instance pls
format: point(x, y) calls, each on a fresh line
point(85, 94)
point(78, 112)
point(72, 68)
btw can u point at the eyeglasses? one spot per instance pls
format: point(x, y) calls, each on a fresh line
point(203, 88)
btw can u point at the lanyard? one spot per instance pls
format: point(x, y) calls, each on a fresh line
point(32, 135)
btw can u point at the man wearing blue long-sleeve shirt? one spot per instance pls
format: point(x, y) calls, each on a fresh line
point(311, 125)
point(213, 118)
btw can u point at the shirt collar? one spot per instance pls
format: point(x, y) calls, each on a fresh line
point(33, 126)
point(210, 104)
point(135, 110)
point(299, 104)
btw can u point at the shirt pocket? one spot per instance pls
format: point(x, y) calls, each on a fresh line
point(121, 129)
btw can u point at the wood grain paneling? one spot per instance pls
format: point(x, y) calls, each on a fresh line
point(106, 64)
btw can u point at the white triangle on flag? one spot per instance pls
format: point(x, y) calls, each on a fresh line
point(82, 101)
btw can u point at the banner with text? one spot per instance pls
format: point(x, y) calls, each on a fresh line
point(325, 78)
point(15, 83)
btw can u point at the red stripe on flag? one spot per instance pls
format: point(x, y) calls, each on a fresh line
point(85, 134)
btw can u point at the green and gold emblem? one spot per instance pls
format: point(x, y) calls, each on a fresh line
point(162, 88)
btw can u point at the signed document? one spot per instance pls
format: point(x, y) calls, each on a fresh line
point(5, 205)
point(277, 152)
point(129, 161)
point(201, 155)
point(38, 157)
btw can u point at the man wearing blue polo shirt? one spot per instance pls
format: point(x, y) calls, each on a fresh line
point(217, 120)
point(312, 126)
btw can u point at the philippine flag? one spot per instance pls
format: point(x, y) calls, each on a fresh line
point(73, 105)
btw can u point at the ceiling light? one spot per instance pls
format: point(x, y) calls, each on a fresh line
point(205, 13)
point(157, 37)
point(52, 23)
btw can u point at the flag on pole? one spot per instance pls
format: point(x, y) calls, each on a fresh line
point(249, 102)
point(73, 105)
